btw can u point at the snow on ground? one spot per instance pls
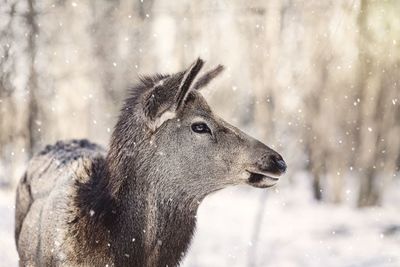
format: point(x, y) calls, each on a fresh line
point(8, 253)
point(294, 231)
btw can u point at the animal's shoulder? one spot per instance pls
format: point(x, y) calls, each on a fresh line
point(66, 151)
point(62, 164)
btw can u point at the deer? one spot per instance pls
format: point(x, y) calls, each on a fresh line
point(135, 203)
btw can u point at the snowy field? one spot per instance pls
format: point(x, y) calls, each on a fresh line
point(294, 230)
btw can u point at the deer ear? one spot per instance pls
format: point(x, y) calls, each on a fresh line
point(162, 104)
point(186, 83)
point(208, 77)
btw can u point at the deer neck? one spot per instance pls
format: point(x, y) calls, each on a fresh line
point(150, 221)
point(154, 225)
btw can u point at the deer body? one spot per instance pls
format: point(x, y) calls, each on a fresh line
point(136, 204)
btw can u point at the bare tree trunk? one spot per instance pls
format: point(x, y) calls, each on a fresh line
point(313, 134)
point(257, 227)
point(369, 194)
point(33, 30)
point(316, 167)
point(365, 62)
point(7, 104)
point(268, 17)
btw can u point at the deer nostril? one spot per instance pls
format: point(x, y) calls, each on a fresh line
point(272, 162)
point(281, 165)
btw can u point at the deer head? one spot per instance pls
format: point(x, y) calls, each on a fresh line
point(172, 134)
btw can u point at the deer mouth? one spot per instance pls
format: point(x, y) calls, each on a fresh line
point(262, 180)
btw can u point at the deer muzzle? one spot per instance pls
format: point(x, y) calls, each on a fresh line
point(266, 170)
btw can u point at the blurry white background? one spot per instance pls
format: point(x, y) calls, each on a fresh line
point(316, 80)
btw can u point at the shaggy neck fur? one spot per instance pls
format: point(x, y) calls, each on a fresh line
point(129, 210)
point(152, 228)
point(146, 223)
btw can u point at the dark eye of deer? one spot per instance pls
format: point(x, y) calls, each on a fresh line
point(200, 127)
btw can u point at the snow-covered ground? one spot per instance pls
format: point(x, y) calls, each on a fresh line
point(293, 231)
point(8, 253)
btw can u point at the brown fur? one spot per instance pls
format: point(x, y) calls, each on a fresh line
point(136, 204)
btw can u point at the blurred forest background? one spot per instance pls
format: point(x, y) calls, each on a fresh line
point(317, 80)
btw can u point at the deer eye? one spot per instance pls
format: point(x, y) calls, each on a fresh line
point(200, 127)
